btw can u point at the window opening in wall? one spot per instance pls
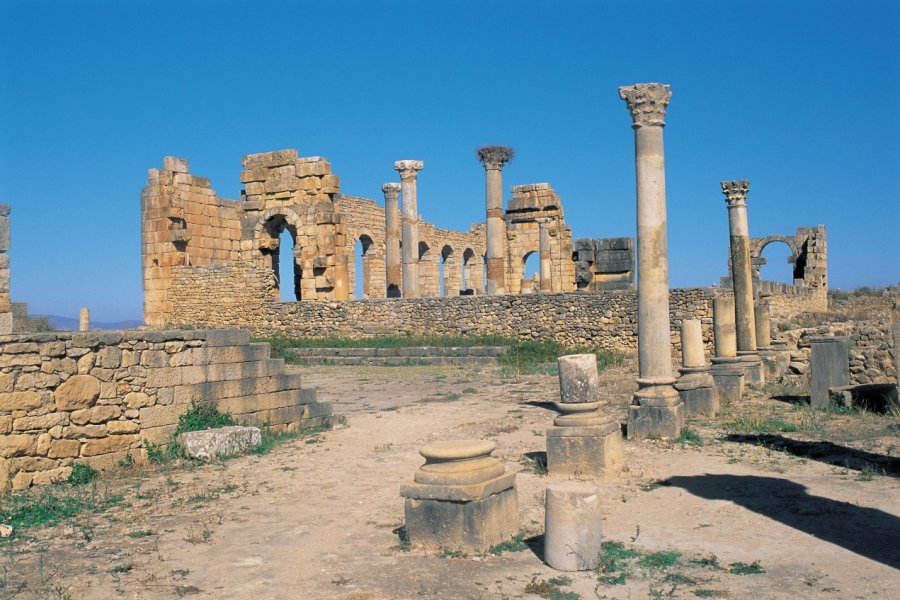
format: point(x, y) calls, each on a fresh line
point(424, 259)
point(777, 268)
point(531, 268)
point(444, 272)
point(362, 267)
point(288, 278)
point(466, 283)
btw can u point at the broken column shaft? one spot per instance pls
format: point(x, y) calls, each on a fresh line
point(493, 158)
point(656, 408)
point(544, 252)
point(393, 272)
point(409, 170)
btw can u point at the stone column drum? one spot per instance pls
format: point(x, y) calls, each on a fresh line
point(584, 440)
point(544, 253)
point(409, 170)
point(392, 263)
point(572, 526)
point(695, 386)
point(462, 498)
point(493, 158)
point(741, 275)
point(656, 407)
point(829, 366)
point(727, 372)
point(774, 361)
point(84, 320)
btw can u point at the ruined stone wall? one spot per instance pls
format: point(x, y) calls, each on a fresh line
point(604, 263)
point(871, 348)
point(365, 225)
point(785, 301)
point(605, 319)
point(183, 222)
point(6, 317)
point(97, 398)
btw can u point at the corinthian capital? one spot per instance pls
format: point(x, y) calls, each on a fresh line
point(391, 189)
point(736, 192)
point(408, 169)
point(494, 157)
point(647, 102)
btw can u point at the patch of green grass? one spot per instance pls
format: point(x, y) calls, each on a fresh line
point(615, 557)
point(405, 544)
point(82, 474)
point(689, 436)
point(51, 504)
point(452, 397)
point(559, 581)
point(450, 553)
point(269, 439)
point(739, 568)
point(202, 415)
point(470, 390)
point(612, 579)
point(550, 589)
point(140, 533)
point(516, 544)
point(163, 455)
point(760, 425)
point(659, 560)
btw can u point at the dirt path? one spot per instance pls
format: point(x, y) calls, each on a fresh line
point(316, 518)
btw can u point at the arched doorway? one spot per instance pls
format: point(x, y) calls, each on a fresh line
point(531, 268)
point(363, 257)
point(283, 254)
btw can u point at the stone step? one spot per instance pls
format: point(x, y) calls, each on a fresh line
point(417, 351)
point(218, 390)
point(397, 361)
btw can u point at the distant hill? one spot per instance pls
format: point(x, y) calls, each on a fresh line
point(70, 324)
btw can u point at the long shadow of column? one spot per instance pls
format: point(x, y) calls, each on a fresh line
point(868, 532)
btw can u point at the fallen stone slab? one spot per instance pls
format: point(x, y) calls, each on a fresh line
point(224, 441)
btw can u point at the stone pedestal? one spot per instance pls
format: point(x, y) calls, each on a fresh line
point(656, 408)
point(584, 442)
point(727, 371)
point(462, 498)
point(753, 368)
point(572, 526)
point(728, 377)
point(696, 386)
point(392, 261)
point(409, 170)
point(829, 366)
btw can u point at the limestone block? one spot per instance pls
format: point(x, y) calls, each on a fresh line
point(663, 421)
point(585, 444)
point(728, 378)
point(78, 391)
point(17, 445)
point(829, 366)
point(5, 423)
point(572, 526)
point(213, 443)
point(64, 449)
point(155, 416)
point(120, 427)
point(112, 443)
point(42, 422)
point(20, 401)
point(77, 432)
point(95, 415)
point(138, 400)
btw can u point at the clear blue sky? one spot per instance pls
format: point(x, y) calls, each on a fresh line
point(799, 97)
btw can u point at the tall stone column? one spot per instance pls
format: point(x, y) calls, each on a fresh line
point(393, 273)
point(84, 320)
point(544, 252)
point(409, 170)
point(493, 158)
point(742, 278)
point(656, 407)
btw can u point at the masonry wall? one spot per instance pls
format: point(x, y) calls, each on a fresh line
point(871, 348)
point(97, 398)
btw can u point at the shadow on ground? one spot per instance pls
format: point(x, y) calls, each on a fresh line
point(865, 531)
point(822, 451)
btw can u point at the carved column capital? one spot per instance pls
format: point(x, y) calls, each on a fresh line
point(647, 102)
point(391, 189)
point(736, 192)
point(409, 169)
point(494, 157)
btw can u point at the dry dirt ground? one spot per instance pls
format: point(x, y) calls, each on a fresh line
point(318, 517)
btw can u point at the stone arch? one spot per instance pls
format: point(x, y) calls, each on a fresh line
point(369, 259)
point(451, 280)
point(529, 284)
point(267, 240)
point(757, 245)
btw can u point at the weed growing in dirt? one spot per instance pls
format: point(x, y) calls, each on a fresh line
point(404, 545)
point(140, 533)
point(689, 436)
point(470, 390)
point(202, 415)
point(739, 568)
point(659, 560)
point(516, 544)
point(757, 424)
point(551, 588)
point(82, 474)
point(51, 504)
point(270, 440)
point(450, 553)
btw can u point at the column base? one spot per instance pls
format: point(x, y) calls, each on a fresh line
point(753, 368)
point(697, 391)
point(587, 451)
point(728, 375)
point(655, 421)
point(774, 363)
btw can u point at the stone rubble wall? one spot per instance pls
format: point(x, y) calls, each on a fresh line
point(224, 298)
point(787, 300)
point(871, 348)
point(100, 397)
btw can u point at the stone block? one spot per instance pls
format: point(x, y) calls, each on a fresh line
point(572, 526)
point(95, 415)
point(585, 451)
point(64, 449)
point(28, 400)
point(112, 443)
point(829, 366)
point(41, 422)
point(155, 416)
point(17, 445)
point(78, 391)
point(214, 443)
point(662, 421)
point(227, 337)
point(728, 378)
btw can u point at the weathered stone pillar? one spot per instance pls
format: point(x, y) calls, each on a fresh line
point(695, 386)
point(656, 407)
point(895, 331)
point(544, 252)
point(84, 320)
point(572, 526)
point(6, 316)
point(763, 326)
point(726, 371)
point(829, 366)
point(585, 439)
point(742, 277)
point(393, 274)
point(493, 158)
point(409, 170)
point(462, 498)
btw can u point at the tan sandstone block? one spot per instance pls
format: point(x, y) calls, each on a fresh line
point(17, 445)
point(85, 431)
point(20, 400)
point(113, 443)
point(43, 444)
point(22, 480)
point(138, 400)
point(5, 424)
point(64, 449)
point(51, 476)
point(95, 415)
point(6, 382)
point(156, 416)
point(78, 391)
point(120, 427)
point(42, 422)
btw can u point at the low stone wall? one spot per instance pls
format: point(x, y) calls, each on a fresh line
point(871, 348)
point(99, 397)
point(605, 319)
